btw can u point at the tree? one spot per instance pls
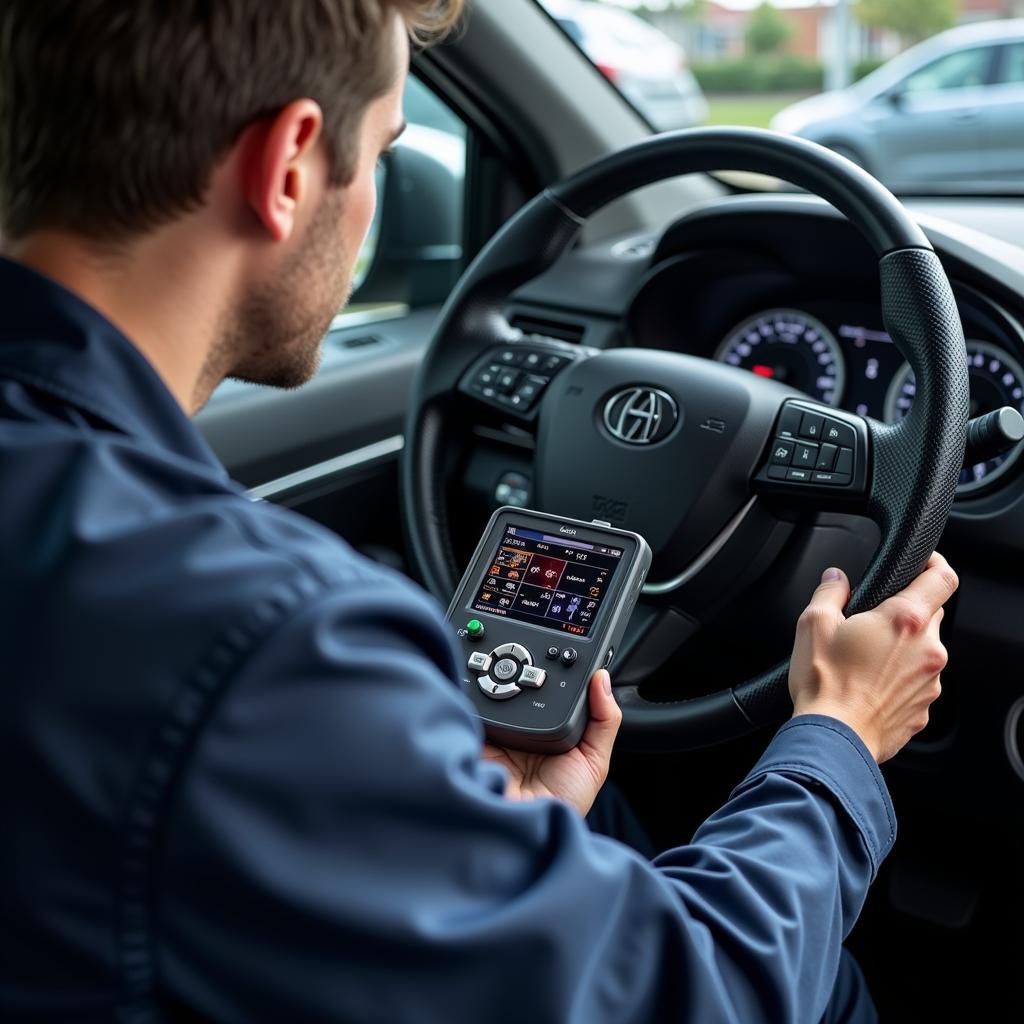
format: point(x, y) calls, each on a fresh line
point(915, 19)
point(767, 30)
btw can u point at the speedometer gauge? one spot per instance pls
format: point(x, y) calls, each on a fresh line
point(997, 379)
point(790, 347)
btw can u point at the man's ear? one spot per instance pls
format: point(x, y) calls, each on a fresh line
point(278, 167)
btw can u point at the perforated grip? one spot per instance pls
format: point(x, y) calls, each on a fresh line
point(916, 463)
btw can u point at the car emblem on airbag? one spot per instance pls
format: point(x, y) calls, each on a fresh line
point(640, 415)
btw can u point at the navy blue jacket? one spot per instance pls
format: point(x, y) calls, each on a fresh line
point(237, 776)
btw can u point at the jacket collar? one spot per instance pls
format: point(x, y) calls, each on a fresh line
point(53, 341)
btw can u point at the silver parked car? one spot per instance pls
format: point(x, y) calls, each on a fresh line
point(948, 114)
point(647, 67)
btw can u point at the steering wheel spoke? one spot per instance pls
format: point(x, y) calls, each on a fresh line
point(817, 456)
point(509, 379)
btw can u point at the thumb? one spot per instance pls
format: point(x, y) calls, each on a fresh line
point(833, 592)
point(603, 727)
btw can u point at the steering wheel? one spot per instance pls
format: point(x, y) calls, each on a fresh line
point(695, 455)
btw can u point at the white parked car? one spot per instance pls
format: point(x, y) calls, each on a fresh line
point(647, 67)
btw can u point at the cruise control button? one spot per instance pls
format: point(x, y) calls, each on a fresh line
point(838, 433)
point(505, 670)
point(810, 425)
point(801, 476)
point(497, 691)
point(479, 662)
point(805, 456)
point(532, 676)
point(782, 452)
point(844, 463)
point(826, 457)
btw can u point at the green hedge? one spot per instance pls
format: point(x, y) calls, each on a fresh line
point(865, 67)
point(761, 74)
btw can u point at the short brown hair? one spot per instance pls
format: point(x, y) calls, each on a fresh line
point(114, 113)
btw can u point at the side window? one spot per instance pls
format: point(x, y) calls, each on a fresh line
point(959, 70)
point(1012, 70)
point(413, 253)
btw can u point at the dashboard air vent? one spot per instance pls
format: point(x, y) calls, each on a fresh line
point(562, 330)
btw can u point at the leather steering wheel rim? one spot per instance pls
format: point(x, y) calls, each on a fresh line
point(914, 465)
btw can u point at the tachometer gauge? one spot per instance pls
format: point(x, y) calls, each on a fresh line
point(997, 379)
point(790, 347)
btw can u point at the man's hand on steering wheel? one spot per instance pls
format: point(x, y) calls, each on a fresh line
point(878, 671)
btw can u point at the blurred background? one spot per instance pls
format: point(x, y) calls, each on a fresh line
point(928, 95)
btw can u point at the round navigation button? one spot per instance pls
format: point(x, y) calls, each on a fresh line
point(553, 653)
point(505, 669)
point(569, 656)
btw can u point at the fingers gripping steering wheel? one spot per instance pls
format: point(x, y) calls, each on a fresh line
point(683, 489)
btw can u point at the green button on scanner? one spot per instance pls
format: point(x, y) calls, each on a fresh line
point(475, 629)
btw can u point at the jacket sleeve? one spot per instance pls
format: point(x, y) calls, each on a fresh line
point(336, 850)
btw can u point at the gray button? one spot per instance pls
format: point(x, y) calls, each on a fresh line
point(505, 669)
point(497, 691)
point(532, 676)
point(479, 662)
point(514, 651)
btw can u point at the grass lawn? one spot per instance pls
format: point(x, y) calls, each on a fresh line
point(754, 110)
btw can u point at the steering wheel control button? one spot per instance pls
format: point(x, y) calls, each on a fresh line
point(532, 676)
point(810, 426)
point(530, 389)
point(569, 656)
point(805, 456)
point(479, 662)
point(799, 476)
point(505, 670)
point(552, 653)
point(510, 357)
point(782, 453)
point(497, 691)
point(778, 472)
point(844, 462)
point(475, 629)
point(841, 434)
point(830, 478)
point(789, 422)
point(507, 381)
point(826, 457)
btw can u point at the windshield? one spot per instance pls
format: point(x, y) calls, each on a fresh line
point(928, 97)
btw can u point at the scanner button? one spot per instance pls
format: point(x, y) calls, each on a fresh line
point(497, 691)
point(532, 676)
point(505, 670)
point(517, 651)
point(479, 662)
